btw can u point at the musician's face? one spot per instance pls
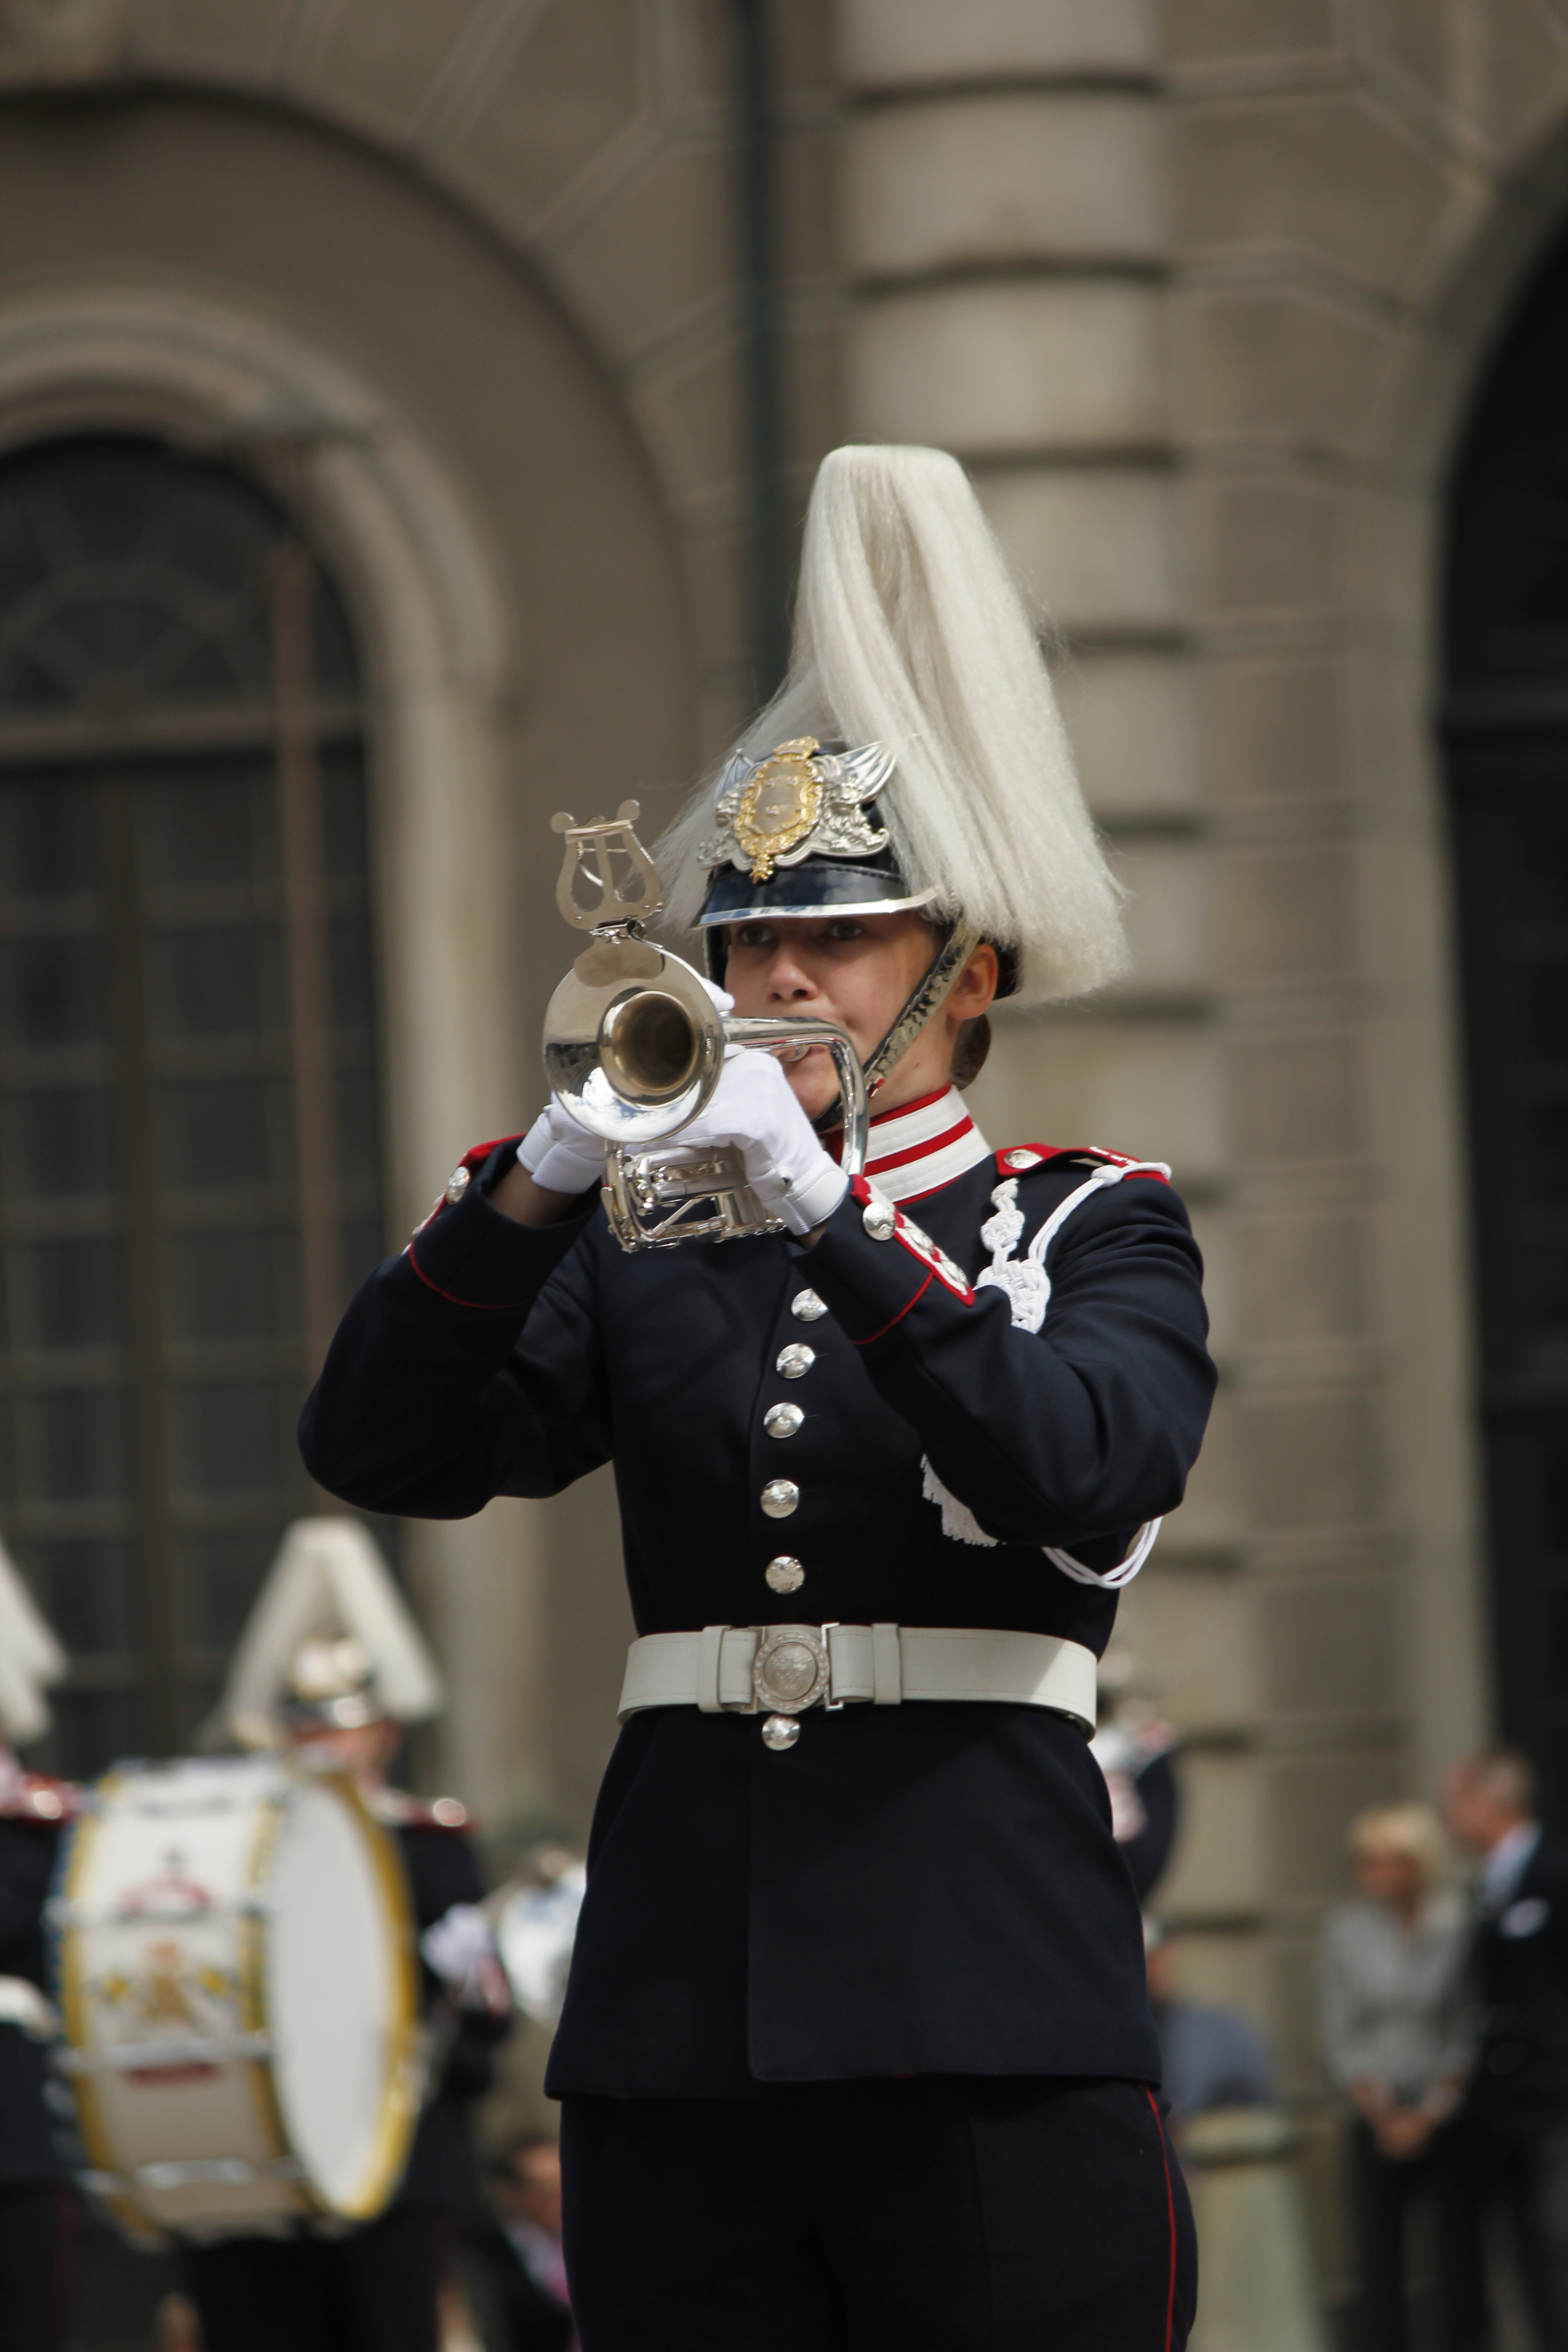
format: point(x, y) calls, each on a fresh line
point(364, 1752)
point(859, 970)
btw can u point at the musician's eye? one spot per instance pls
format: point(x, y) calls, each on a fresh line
point(846, 927)
point(751, 935)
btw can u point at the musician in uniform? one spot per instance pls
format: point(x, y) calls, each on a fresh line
point(856, 2048)
point(37, 2208)
point(346, 1700)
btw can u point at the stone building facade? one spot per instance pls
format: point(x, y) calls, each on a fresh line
point(1202, 292)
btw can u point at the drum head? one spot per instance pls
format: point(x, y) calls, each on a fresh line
point(340, 1998)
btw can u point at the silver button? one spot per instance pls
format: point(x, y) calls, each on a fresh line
point(457, 1183)
point(784, 1574)
point(1021, 1159)
point(879, 1217)
point(795, 1360)
point(782, 1420)
point(806, 1307)
point(780, 1496)
point(781, 1731)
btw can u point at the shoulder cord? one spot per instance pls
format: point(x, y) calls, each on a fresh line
point(1027, 1283)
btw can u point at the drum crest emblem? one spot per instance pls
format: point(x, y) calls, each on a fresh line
point(168, 1994)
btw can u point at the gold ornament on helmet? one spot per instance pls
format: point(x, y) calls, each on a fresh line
point(800, 802)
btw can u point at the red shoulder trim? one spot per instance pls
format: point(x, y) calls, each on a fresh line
point(1024, 1158)
point(34, 1796)
point(920, 1246)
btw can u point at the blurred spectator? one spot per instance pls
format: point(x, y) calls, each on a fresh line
point(513, 2273)
point(1213, 2057)
point(1136, 1751)
point(1397, 2042)
point(1520, 1956)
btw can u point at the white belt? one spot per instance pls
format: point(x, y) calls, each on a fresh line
point(22, 2004)
point(747, 1669)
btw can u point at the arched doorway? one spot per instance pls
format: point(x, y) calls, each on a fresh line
point(1505, 724)
point(190, 1149)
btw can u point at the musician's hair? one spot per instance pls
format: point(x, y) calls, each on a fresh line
point(911, 632)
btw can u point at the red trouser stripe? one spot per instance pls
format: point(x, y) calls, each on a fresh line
point(1170, 2214)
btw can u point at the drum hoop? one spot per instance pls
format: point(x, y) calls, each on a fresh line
point(72, 2004)
point(400, 2100)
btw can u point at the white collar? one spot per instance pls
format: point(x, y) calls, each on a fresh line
point(1507, 1863)
point(923, 1146)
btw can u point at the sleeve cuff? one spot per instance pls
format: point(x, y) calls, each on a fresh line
point(872, 1265)
point(472, 1256)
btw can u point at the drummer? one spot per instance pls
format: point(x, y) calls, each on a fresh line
point(34, 2200)
point(374, 2289)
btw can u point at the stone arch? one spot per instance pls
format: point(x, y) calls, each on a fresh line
point(592, 140)
point(1485, 244)
point(517, 588)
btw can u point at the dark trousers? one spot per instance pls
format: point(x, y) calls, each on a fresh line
point(372, 2291)
point(36, 2228)
point(1530, 2179)
point(943, 2214)
point(1382, 2195)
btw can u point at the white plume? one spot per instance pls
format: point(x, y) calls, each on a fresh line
point(909, 632)
point(30, 1658)
point(328, 1579)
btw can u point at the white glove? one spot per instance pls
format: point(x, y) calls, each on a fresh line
point(563, 1157)
point(755, 1107)
point(559, 1154)
point(461, 1948)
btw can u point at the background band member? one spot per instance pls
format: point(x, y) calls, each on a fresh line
point(512, 2268)
point(856, 2046)
point(36, 2209)
point(341, 1698)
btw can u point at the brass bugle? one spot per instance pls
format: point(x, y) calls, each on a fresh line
point(634, 1046)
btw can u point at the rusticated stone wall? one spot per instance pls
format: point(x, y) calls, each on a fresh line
point(1198, 290)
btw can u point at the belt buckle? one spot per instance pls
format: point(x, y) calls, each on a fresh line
point(792, 1669)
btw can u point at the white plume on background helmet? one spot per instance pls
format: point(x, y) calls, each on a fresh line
point(30, 1658)
point(909, 632)
point(329, 1586)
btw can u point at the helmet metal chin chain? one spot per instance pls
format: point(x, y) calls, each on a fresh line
point(928, 997)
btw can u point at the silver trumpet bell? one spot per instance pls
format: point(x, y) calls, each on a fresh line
point(634, 1045)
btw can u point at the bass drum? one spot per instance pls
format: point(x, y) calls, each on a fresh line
point(235, 1970)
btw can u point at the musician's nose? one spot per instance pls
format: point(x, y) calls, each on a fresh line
point(789, 981)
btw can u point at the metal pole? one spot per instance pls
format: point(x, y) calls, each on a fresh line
point(762, 402)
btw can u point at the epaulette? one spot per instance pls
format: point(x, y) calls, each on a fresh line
point(1023, 1158)
point(396, 1810)
point(33, 1797)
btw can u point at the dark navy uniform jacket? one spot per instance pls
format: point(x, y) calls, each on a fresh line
point(1521, 1962)
point(928, 1888)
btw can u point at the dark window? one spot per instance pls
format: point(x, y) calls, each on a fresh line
point(189, 1155)
point(1506, 734)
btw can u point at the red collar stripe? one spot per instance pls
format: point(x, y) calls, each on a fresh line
point(920, 1151)
point(907, 1110)
point(921, 1146)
